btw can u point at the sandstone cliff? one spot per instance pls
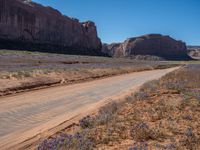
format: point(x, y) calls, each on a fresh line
point(194, 51)
point(27, 25)
point(152, 44)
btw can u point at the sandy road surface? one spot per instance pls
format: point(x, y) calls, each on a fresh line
point(26, 115)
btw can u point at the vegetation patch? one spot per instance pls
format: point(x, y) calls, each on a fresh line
point(164, 114)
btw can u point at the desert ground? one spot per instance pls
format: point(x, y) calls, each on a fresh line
point(22, 71)
point(55, 101)
point(29, 115)
point(163, 114)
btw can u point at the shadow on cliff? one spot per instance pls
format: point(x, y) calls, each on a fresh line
point(49, 48)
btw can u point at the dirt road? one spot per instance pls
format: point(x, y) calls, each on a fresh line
point(25, 116)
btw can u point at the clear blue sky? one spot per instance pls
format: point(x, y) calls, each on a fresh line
point(117, 20)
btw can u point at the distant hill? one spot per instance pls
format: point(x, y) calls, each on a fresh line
point(193, 47)
point(151, 44)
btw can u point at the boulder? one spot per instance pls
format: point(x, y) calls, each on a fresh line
point(28, 25)
point(151, 44)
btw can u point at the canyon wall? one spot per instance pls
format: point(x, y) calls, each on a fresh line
point(31, 26)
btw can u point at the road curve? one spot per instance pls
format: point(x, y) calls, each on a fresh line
point(26, 115)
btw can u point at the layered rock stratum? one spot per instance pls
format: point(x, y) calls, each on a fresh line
point(151, 44)
point(31, 26)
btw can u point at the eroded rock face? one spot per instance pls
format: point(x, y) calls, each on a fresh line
point(194, 51)
point(27, 25)
point(152, 44)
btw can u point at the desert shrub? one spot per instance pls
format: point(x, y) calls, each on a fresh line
point(20, 74)
point(169, 146)
point(78, 141)
point(87, 122)
point(129, 99)
point(150, 86)
point(194, 93)
point(106, 113)
point(139, 146)
point(183, 79)
point(146, 57)
point(190, 140)
point(141, 132)
point(146, 90)
point(141, 95)
point(179, 86)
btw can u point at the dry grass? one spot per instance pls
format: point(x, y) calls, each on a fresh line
point(165, 114)
point(21, 71)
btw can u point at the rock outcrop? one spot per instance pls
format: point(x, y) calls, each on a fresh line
point(27, 25)
point(194, 51)
point(152, 44)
